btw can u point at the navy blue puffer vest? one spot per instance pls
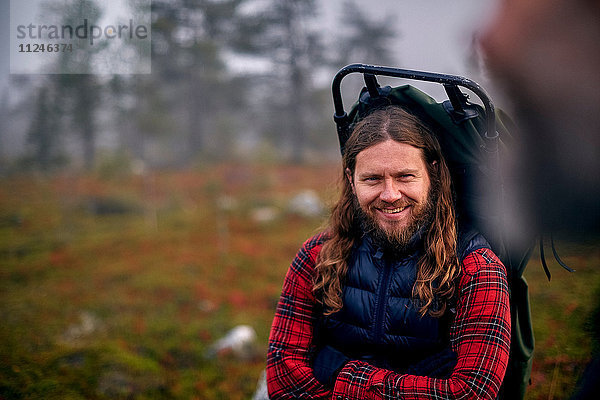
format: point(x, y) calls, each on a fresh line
point(380, 321)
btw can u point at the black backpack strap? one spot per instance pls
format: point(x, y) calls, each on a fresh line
point(469, 239)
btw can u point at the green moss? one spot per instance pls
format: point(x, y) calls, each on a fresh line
point(165, 285)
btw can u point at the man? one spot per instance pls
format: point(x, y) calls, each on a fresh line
point(383, 304)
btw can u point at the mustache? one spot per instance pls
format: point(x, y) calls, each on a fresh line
point(396, 204)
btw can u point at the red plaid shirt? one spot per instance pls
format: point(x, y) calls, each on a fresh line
point(480, 335)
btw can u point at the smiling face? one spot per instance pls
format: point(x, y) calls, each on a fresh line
point(391, 185)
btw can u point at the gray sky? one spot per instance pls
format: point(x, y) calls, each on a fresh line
point(434, 35)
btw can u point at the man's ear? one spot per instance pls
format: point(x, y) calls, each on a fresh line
point(350, 179)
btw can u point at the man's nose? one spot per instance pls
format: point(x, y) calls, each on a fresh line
point(391, 191)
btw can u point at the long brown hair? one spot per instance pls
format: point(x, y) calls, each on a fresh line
point(438, 268)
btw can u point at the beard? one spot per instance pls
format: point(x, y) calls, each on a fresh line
point(396, 237)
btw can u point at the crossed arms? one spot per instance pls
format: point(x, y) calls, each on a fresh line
point(480, 336)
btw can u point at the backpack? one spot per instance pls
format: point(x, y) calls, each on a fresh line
point(472, 154)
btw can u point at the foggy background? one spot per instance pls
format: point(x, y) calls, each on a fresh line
point(230, 79)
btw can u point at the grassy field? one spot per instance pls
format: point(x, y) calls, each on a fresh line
point(115, 286)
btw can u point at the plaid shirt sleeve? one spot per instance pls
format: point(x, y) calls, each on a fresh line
point(480, 335)
point(289, 371)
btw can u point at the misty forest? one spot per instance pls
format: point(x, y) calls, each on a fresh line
point(230, 79)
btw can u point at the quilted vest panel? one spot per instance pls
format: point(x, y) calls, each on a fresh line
point(379, 321)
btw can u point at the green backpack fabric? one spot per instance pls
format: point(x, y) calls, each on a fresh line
point(462, 142)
